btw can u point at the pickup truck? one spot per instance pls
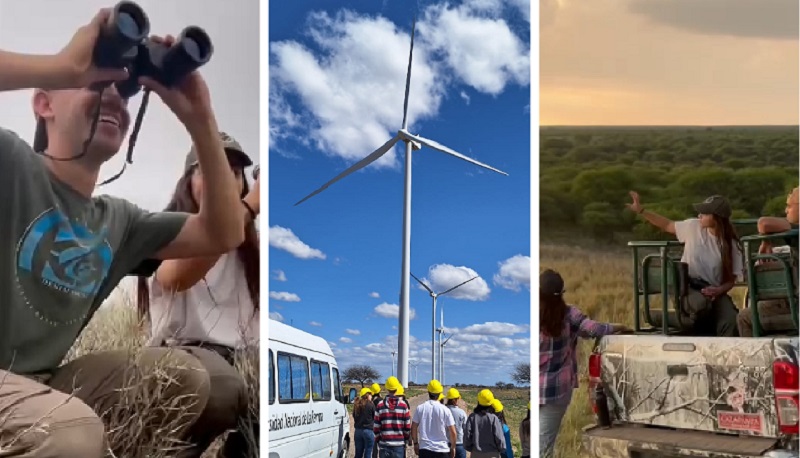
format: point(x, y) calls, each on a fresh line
point(663, 393)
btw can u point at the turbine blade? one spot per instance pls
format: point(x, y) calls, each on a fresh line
point(458, 285)
point(374, 156)
point(439, 147)
point(408, 74)
point(421, 283)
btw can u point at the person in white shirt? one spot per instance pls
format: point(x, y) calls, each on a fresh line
point(713, 254)
point(432, 426)
point(209, 306)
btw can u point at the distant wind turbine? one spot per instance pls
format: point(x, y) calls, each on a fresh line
point(433, 327)
point(412, 142)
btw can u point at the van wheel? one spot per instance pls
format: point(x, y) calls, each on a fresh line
point(343, 452)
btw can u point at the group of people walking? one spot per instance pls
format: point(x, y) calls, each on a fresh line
point(438, 428)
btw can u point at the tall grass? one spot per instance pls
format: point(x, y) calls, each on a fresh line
point(135, 425)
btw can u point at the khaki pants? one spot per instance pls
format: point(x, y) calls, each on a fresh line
point(43, 420)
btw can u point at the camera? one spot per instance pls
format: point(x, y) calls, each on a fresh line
point(123, 43)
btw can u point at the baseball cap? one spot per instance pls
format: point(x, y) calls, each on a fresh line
point(714, 205)
point(232, 148)
point(550, 282)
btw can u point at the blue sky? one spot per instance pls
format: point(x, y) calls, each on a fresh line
point(337, 75)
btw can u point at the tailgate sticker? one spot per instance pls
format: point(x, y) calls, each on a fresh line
point(736, 421)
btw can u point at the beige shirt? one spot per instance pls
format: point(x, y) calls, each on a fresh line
point(217, 309)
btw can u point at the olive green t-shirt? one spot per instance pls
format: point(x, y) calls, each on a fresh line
point(61, 255)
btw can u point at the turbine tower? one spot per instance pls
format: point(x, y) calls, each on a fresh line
point(412, 142)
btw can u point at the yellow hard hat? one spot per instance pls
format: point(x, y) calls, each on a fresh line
point(453, 393)
point(441, 396)
point(485, 398)
point(365, 390)
point(497, 405)
point(376, 389)
point(400, 391)
point(392, 383)
point(434, 387)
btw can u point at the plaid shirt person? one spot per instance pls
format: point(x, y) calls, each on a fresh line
point(558, 363)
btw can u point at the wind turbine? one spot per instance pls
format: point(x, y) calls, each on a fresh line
point(394, 352)
point(433, 326)
point(414, 364)
point(412, 142)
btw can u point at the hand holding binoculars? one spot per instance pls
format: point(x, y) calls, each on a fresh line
point(124, 43)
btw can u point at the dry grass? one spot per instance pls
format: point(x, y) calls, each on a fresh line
point(600, 283)
point(136, 425)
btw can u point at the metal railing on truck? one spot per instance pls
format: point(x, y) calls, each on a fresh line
point(662, 273)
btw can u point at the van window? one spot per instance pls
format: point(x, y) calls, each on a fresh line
point(320, 381)
point(337, 385)
point(271, 379)
point(293, 378)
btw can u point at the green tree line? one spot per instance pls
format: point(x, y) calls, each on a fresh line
point(586, 173)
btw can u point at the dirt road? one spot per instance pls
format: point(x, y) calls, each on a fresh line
point(413, 403)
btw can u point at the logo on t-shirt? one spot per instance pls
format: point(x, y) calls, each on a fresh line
point(63, 255)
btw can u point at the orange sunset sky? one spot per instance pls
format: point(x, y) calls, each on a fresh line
point(669, 62)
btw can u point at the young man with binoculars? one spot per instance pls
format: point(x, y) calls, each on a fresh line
point(64, 251)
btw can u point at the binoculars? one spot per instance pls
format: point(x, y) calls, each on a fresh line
point(123, 43)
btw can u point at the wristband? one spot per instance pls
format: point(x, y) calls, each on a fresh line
point(641, 211)
point(249, 209)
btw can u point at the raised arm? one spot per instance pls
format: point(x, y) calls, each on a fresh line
point(181, 274)
point(772, 225)
point(661, 222)
point(219, 225)
point(71, 67)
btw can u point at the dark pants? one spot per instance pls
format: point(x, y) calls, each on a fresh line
point(429, 454)
point(461, 452)
point(719, 319)
point(365, 439)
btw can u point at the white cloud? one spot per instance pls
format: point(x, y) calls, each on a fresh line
point(514, 272)
point(346, 340)
point(315, 324)
point(442, 277)
point(350, 81)
point(276, 316)
point(486, 65)
point(374, 295)
point(284, 239)
point(494, 328)
point(465, 97)
point(354, 332)
point(284, 296)
point(387, 310)
point(278, 275)
point(332, 344)
point(465, 360)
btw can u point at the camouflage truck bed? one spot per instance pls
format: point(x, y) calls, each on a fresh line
point(636, 441)
point(694, 383)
